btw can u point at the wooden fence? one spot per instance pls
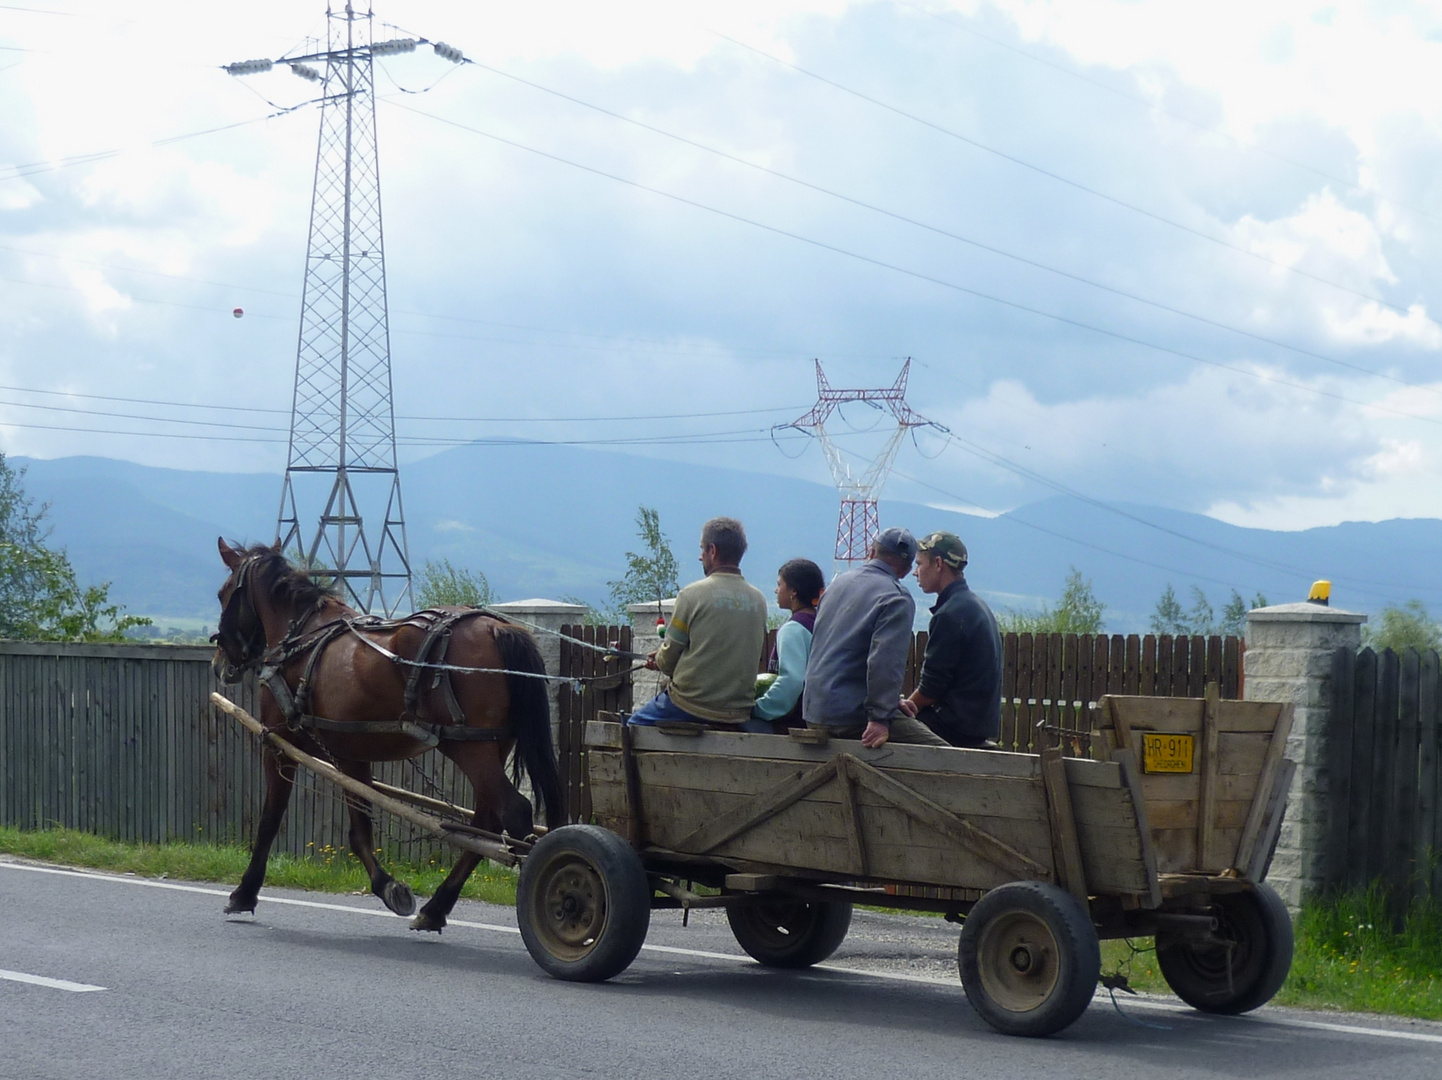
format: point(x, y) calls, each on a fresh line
point(1383, 773)
point(122, 741)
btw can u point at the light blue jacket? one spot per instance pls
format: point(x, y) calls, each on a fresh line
point(793, 648)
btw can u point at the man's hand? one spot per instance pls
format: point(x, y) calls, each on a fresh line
point(651, 661)
point(875, 735)
point(909, 707)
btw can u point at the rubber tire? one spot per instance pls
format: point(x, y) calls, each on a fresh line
point(786, 933)
point(1077, 957)
point(1258, 921)
point(595, 868)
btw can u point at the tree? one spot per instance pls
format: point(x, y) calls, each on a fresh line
point(1168, 617)
point(1077, 611)
point(1201, 618)
point(40, 597)
point(651, 574)
point(1234, 615)
point(1405, 627)
point(444, 585)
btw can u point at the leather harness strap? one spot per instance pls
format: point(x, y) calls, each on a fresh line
point(295, 704)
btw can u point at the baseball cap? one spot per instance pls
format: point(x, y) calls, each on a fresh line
point(947, 545)
point(894, 541)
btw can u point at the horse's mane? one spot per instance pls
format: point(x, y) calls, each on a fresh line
point(290, 587)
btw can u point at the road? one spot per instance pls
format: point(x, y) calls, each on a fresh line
point(105, 976)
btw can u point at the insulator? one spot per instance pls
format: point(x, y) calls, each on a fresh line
point(448, 52)
point(248, 67)
point(397, 45)
point(305, 71)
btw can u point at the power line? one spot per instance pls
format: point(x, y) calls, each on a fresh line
point(1154, 106)
point(918, 275)
point(1059, 178)
point(950, 235)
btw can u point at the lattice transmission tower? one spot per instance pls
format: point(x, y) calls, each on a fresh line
point(859, 519)
point(341, 466)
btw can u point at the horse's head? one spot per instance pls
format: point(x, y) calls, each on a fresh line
point(240, 638)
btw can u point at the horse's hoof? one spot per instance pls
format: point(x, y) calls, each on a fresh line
point(397, 896)
point(425, 921)
point(240, 907)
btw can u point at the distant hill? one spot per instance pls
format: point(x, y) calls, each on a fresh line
point(553, 520)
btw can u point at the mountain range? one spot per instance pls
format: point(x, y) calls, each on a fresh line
point(544, 520)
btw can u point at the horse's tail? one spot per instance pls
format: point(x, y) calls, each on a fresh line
point(531, 718)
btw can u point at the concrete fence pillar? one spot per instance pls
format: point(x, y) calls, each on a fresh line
point(549, 615)
point(1289, 659)
point(644, 639)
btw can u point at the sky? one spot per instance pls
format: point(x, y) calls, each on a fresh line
point(1179, 255)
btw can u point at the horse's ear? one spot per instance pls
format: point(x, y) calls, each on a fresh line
point(228, 555)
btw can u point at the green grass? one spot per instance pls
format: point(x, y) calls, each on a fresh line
point(1348, 957)
point(328, 870)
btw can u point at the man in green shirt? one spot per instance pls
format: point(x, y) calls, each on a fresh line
point(713, 644)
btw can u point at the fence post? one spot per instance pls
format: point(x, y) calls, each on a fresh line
point(647, 684)
point(548, 615)
point(1289, 659)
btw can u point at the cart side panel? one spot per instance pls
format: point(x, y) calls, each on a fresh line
point(682, 793)
point(1106, 822)
point(1234, 781)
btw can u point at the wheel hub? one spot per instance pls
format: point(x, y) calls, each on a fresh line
point(1017, 958)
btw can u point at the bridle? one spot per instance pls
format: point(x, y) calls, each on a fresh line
point(243, 646)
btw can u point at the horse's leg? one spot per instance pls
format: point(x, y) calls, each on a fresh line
point(499, 808)
point(396, 895)
point(278, 785)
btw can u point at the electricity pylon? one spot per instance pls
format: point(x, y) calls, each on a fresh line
point(859, 519)
point(342, 456)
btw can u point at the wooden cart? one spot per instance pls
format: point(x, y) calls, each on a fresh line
point(1038, 856)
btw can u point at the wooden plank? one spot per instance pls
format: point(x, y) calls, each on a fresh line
point(1208, 767)
point(1428, 838)
point(716, 832)
point(1214, 663)
point(1231, 668)
point(1132, 673)
point(781, 748)
point(847, 776)
point(1403, 872)
point(1384, 758)
point(1127, 761)
point(1359, 812)
point(968, 796)
point(1267, 843)
point(1195, 672)
point(1066, 847)
point(1055, 655)
point(1026, 682)
point(1007, 735)
point(1185, 714)
point(1162, 673)
point(980, 842)
point(1070, 683)
point(1266, 778)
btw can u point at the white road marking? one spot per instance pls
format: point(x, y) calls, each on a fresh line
point(893, 976)
point(53, 984)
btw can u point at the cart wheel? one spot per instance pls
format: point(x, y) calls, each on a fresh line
point(789, 933)
point(1029, 958)
point(1239, 977)
point(583, 903)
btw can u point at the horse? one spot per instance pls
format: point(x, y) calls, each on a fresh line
point(353, 689)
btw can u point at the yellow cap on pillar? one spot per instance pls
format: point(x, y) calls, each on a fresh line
point(1321, 593)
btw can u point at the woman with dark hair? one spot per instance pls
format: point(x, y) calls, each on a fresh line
point(799, 585)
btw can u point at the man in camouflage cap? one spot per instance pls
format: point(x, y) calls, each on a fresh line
point(959, 693)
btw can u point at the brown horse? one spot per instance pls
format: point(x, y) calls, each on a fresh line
point(345, 687)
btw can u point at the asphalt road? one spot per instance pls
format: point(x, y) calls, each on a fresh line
point(115, 977)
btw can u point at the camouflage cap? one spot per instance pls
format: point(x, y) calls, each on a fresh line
point(947, 545)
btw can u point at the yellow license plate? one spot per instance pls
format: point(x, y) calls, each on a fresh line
point(1166, 753)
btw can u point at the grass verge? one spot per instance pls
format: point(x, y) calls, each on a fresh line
point(1348, 957)
point(328, 870)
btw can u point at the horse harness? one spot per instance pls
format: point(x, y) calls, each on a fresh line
point(295, 705)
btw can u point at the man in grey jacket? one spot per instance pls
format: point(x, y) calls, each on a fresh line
point(859, 649)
